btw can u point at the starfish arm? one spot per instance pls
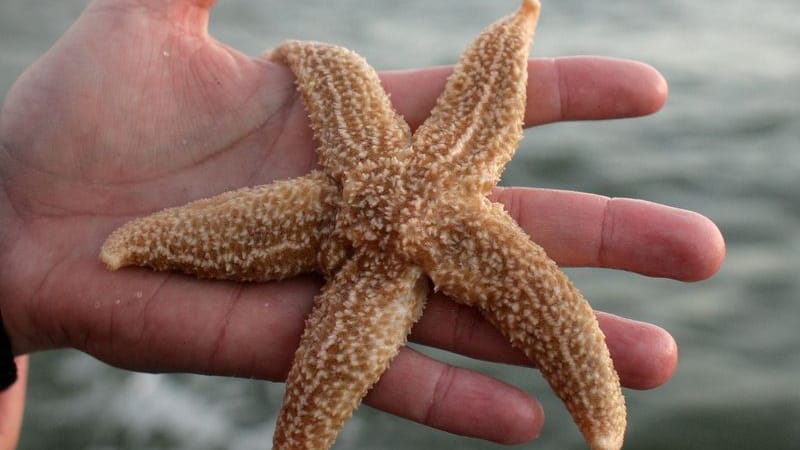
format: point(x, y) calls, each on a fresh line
point(359, 321)
point(476, 124)
point(261, 233)
point(351, 115)
point(475, 253)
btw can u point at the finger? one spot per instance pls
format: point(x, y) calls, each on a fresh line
point(184, 325)
point(586, 87)
point(578, 229)
point(456, 400)
point(644, 355)
point(574, 88)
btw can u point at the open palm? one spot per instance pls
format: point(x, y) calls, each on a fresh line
point(136, 108)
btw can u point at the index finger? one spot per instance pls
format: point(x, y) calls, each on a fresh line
point(568, 88)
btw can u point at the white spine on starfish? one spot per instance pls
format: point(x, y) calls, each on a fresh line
point(476, 124)
point(261, 233)
point(360, 320)
point(352, 118)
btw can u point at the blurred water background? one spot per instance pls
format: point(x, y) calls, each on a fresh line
point(725, 145)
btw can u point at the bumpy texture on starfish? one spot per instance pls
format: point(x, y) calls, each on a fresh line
point(387, 211)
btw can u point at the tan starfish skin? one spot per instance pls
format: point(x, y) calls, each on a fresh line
point(387, 212)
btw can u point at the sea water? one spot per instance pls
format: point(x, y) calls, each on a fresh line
point(727, 144)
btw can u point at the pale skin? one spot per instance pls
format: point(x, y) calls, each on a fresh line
point(137, 108)
point(12, 405)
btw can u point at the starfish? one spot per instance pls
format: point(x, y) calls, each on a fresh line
point(389, 212)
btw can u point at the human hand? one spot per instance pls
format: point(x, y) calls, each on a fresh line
point(12, 405)
point(156, 113)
